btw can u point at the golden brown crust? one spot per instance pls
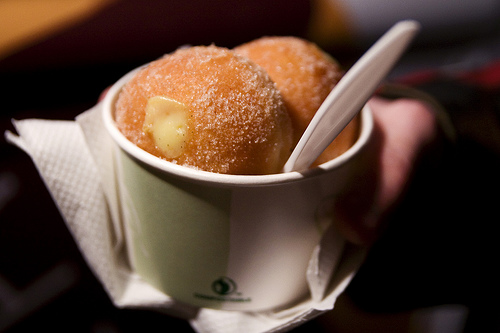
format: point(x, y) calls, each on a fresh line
point(305, 75)
point(237, 124)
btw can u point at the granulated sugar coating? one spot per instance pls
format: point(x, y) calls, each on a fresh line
point(304, 75)
point(229, 117)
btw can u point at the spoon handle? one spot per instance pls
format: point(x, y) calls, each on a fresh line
point(348, 97)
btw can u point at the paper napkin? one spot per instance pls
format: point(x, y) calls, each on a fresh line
point(75, 160)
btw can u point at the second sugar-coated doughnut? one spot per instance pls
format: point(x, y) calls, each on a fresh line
point(305, 75)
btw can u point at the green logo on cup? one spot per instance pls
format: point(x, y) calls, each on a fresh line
point(224, 286)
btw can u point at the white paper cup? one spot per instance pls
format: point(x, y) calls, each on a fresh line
point(227, 242)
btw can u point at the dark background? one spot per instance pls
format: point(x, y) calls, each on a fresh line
point(441, 245)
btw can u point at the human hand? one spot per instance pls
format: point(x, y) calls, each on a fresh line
point(403, 128)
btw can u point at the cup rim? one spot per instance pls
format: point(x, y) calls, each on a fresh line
point(211, 178)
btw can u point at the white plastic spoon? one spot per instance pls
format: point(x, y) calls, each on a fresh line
point(350, 94)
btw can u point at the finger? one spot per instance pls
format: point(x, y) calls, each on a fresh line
point(402, 129)
point(407, 127)
point(103, 94)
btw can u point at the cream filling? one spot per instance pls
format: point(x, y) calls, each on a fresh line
point(166, 122)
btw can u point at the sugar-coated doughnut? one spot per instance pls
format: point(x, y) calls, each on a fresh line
point(209, 108)
point(304, 75)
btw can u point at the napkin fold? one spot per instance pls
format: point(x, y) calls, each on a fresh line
point(75, 159)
